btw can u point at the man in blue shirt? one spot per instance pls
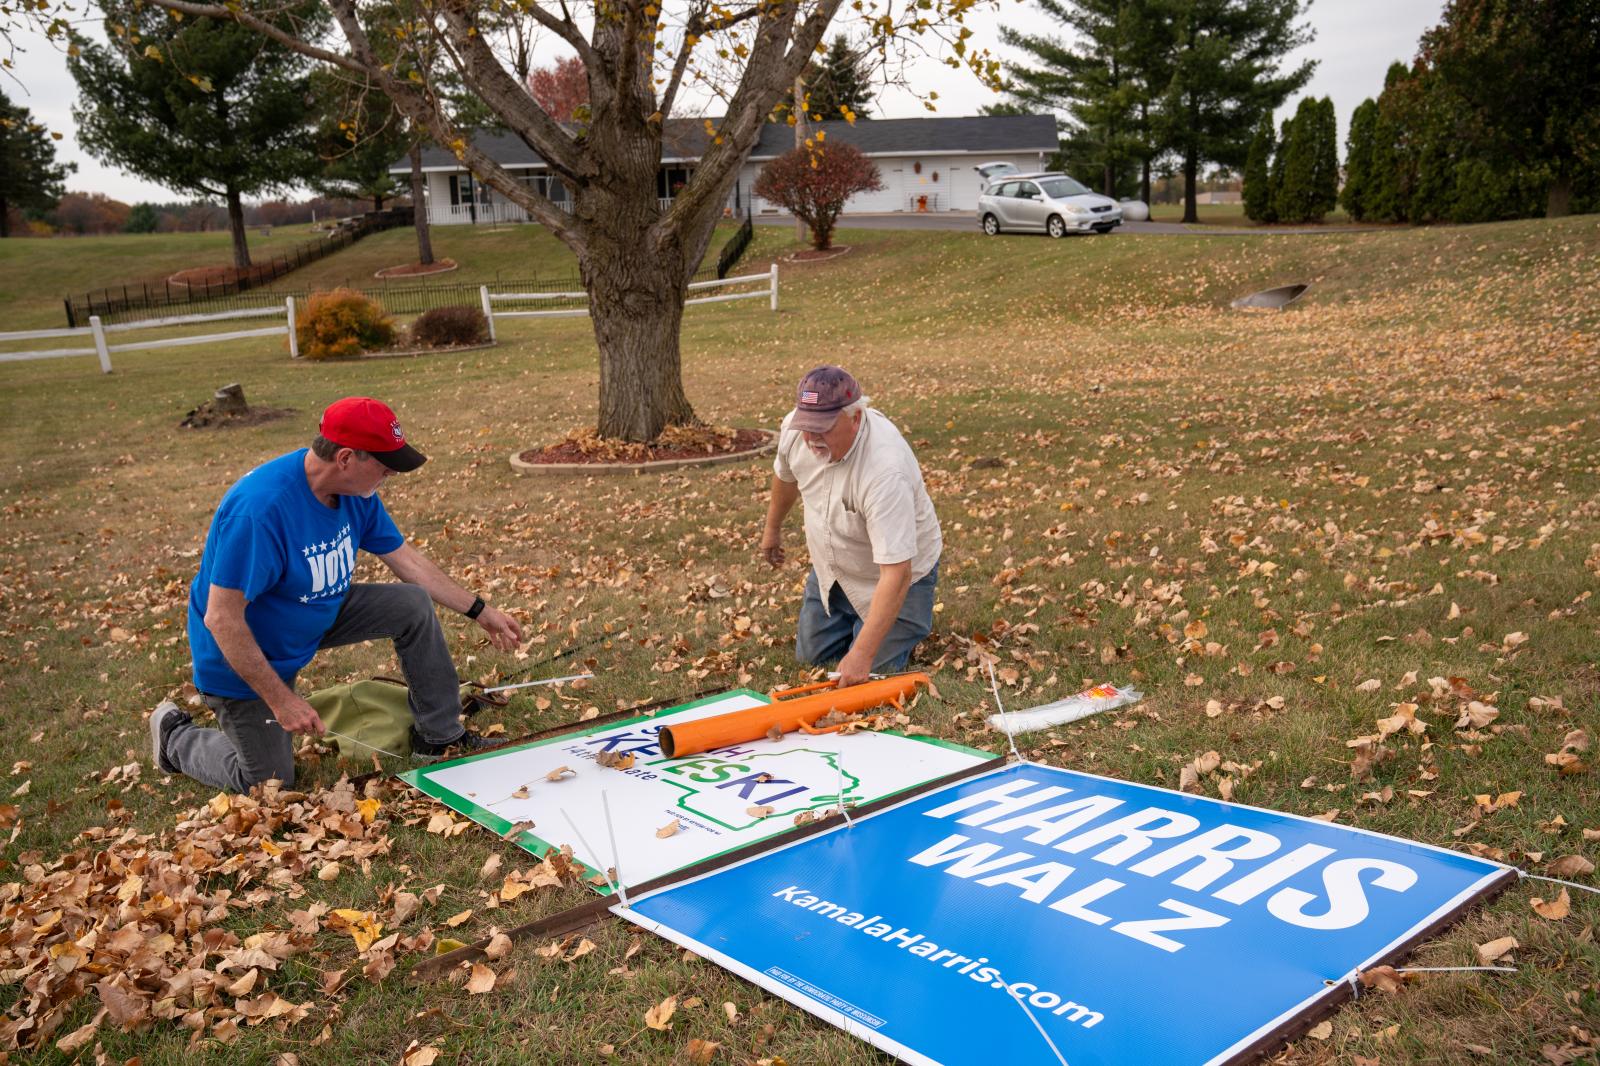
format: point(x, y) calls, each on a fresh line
point(275, 586)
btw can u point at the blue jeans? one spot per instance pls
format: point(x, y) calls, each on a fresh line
point(823, 637)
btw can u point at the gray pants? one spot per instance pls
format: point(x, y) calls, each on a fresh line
point(250, 747)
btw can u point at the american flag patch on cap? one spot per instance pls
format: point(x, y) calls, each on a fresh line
point(808, 397)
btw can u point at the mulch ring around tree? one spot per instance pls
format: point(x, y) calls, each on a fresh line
point(584, 450)
point(811, 255)
point(206, 416)
point(417, 270)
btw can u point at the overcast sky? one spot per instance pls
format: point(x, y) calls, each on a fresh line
point(1356, 40)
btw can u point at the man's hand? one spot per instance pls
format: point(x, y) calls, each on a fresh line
point(298, 716)
point(855, 667)
point(504, 631)
point(772, 549)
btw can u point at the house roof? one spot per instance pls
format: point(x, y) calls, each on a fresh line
point(685, 139)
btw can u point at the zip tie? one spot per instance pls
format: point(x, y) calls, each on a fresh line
point(1005, 721)
point(593, 854)
point(616, 857)
point(1558, 881)
point(838, 788)
point(1057, 1051)
point(1355, 985)
point(546, 681)
point(341, 736)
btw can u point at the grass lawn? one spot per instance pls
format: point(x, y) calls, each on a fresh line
point(35, 274)
point(1279, 525)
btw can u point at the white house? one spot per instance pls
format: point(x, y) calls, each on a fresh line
point(927, 164)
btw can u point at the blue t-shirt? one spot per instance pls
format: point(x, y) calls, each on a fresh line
point(292, 557)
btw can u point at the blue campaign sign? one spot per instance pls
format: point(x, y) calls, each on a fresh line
point(1032, 914)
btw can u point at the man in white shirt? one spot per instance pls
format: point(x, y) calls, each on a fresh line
point(870, 528)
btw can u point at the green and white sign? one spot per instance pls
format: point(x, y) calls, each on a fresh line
point(716, 801)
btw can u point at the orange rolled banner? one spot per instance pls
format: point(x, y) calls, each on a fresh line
point(790, 710)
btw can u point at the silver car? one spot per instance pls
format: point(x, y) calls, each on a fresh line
point(1045, 203)
point(990, 173)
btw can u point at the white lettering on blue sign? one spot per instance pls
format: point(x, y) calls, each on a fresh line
point(1225, 860)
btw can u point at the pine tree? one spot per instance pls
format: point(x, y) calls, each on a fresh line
point(1357, 194)
point(201, 105)
point(1392, 174)
point(1258, 174)
point(359, 135)
point(840, 86)
point(1275, 173)
point(1325, 170)
point(30, 177)
point(1093, 81)
point(1296, 199)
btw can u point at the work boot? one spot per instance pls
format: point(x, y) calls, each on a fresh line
point(468, 743)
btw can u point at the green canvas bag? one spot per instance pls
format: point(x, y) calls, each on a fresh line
point(376, 714)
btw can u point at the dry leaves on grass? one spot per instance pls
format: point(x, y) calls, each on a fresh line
point(660, 1016)
point(139, 920)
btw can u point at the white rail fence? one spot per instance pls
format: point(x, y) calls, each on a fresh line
point(103, 348)
point(768, 292)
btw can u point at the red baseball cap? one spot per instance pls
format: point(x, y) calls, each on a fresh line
point(370, 425)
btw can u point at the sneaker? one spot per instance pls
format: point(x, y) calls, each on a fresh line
point(162, 720)
point(468, 743)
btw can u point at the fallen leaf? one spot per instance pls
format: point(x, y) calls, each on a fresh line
point(1570, 866)
point(1321, 1031)
point(1383, 978)
point(701, 1051)
point(417, 1054)
point(481, 980)
point(1553, 910)
point(669, 829)
point(560, 772)
point(761, 811)
point(516, 829)
point(1497, 949)
point(457, 919)
point(775, 733)
point(660, 1016)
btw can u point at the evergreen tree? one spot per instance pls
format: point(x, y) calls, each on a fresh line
point(1275, 173)
point(1099, 81)
point(144, 218)
point(1388, 190)
point(1225, 75)
point(1296, 199)
point(841, 85)
point(1360, 144)
point(1325, 168)
point(359, 135)
point(30, 177)
point(202, 105)
point(1521, 77)
point(1258, 174)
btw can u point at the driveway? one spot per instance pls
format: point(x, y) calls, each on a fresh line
point(968, 220)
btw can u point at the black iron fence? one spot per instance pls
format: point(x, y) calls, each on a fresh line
point(400, 296)
point(736, 246)
point(137, 299)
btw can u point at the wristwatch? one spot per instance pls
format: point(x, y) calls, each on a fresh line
point(477, 607)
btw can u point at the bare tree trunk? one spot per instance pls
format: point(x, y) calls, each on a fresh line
point(636, 304)
point(241, 248)
point(1191, 174)
point(1558, 198)
point(419, 207)
point(5, 218)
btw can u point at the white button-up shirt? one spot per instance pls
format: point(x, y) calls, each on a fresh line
point(868, 509)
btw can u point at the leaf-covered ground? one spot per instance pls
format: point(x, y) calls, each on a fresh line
point(1347, 550)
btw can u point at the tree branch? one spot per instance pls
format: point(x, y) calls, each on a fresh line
point(510, 100)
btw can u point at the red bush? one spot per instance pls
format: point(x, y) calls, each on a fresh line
point(814, 182)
